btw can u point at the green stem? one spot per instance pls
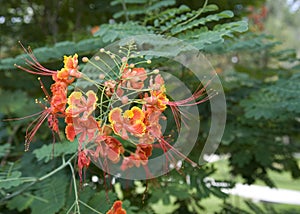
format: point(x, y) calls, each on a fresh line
point(19, 191)
point(125, 10)
point(69, 210)
point(64, 164)
point(196, 16)
point(91, 208)
point(75, 188)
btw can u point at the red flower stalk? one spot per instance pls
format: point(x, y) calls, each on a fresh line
point(36, 124)
point(83, 161)
point(200, 91)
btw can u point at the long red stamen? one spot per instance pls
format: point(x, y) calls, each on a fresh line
point(34, 64)
point(163, 147)
point(200, 91)
point(147, 171)
point(38, 122)
point(165, 143)
point(22, 118)
point(177, 113)
point(44, 90)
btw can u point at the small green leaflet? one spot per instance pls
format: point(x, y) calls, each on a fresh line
point(46, 152)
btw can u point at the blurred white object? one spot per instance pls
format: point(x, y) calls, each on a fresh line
point(263, 193)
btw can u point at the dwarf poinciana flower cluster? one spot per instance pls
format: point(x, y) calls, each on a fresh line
point(123, 123)
point(55, 105)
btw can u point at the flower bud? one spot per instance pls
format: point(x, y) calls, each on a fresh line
point(85, 59)
point(101, 76)
point(124, 99)
point(155, 71)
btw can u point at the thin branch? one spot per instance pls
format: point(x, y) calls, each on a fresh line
point(91, 208)
point(75, 188)
point(196, 16)
point(125, 10)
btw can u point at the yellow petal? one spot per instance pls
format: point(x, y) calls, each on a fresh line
point(76, 95)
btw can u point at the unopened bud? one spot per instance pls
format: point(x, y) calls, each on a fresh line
point(124, 59)
point(124, 99)
point(85, 59)
point(155, 71)
point(101, 76)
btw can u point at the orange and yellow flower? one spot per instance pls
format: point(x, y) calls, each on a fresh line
point(85, 127)
point(70, 69)
point(133, 78)
point(157, 100)
point(130, 121)
point(81, 106)
point(140, 157)
point(116, 208)
point(78, 116)
point(115, 148)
